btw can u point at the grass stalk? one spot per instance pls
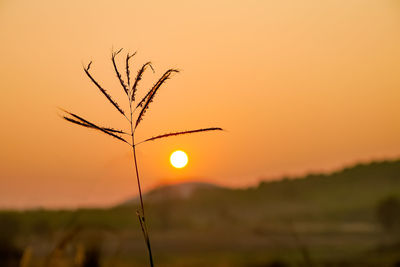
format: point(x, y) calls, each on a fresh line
point(140, 214)
point(118, 134)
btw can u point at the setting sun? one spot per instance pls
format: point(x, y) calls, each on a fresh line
point(178, 159)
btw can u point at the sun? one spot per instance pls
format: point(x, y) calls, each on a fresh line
point(178, 159)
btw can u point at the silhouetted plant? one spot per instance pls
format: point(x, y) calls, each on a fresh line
point(61, 245)
point(92, 257)
point(388, 214)
point(141, 107)
point(10, 253)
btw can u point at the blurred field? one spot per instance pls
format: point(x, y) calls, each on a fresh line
point(317, 220)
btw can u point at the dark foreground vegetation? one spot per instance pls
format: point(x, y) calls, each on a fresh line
point(347, 218)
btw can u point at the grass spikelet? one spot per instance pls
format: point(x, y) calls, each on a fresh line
point(181, 133)
point(124, 86)
point(85, 123)
point(139, 77)
point(89, 126)
point(128, 57)
point(141, 103)
point(152, 93)
point(102, 89)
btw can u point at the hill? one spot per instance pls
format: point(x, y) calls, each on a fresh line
point(350, 194)
point(171, 191)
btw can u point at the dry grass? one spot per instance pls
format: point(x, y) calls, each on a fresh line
point(142, 107)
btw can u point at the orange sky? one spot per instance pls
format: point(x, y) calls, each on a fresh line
point(300, 85)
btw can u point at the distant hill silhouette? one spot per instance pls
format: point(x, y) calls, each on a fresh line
point(172, 191)
point(346, 196)
point(349, 194)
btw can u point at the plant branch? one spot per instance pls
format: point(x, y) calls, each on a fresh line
point(128, 57)
point(113, 55)
point(139, 77)
point(180, 133)
point(85, 123)
point(152, 93)
point(103, 90)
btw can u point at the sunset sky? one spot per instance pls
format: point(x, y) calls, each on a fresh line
point(299, 85)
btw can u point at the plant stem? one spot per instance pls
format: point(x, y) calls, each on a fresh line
point(138, 180)
point(141, 215)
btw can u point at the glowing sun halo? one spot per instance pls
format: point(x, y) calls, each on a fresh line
point(178, 159)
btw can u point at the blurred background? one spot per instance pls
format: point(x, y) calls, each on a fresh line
point(306, 173)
